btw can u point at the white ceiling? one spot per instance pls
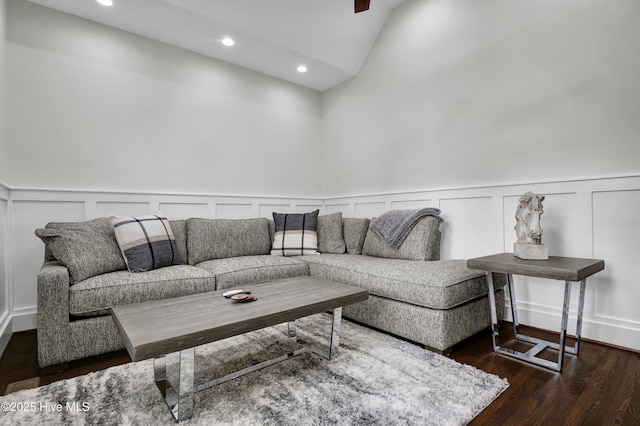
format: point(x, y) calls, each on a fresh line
point(272, 36)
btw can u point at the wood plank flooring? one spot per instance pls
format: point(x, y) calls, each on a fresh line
point(599, 387)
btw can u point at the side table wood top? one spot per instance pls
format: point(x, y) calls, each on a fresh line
point(556, 267)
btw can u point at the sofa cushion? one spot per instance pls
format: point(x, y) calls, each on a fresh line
point(94, 295)
point(86, 248)
point(422, 243)
point(330, 237)
point(209, 239)
point(354, 231)
point(436, 285)
point(239, 271)
point(146, 242)
point(179, 228)
point(296, 234)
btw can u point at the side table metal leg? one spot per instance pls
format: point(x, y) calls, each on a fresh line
point(495, 335)
point(565, 320)
point(583, 285)
point(514, 308)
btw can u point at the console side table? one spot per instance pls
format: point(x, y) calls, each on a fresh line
point(567, 269)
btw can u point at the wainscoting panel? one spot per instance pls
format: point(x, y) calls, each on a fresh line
point(106, 208)
point(370, 209)
point(467, 230)
point(266, 210)
point(616, 238)
point(234, 211)
point(176, 211)
point(345, 209)
point(306, 208)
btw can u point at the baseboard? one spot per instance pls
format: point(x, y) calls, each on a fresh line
point(24, 319)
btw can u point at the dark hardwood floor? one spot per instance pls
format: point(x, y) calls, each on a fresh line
point(599, 387)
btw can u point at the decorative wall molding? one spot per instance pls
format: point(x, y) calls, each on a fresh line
point(582, 218)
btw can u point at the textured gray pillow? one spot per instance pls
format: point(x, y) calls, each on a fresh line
point(354, 231)
point(179, 228)
point(86, 248)
point(422, 243)
point(330, 238)
point(209, 239)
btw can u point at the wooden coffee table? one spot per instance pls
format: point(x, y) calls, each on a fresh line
point(154, 329)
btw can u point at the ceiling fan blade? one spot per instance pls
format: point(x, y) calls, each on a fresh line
point(361, 5)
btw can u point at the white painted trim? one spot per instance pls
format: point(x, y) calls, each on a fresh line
point(24, 319)
point(570, 182)
point(5, 331)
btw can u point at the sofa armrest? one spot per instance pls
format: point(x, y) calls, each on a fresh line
point(53, 293)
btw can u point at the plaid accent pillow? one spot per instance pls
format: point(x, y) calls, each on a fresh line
point(295, 234)
point(146, 242)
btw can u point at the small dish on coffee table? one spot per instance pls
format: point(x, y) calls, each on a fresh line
point(243, 298)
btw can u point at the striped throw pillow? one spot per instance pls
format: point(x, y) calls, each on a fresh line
point(295, 234)
point(146, 242)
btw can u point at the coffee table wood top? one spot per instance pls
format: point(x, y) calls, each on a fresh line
point(556, 267)
point(154, 329)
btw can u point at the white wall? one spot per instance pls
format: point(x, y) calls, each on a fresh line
point(463, 93)
point(595, 218)
point(3, 90)
point(92, 107)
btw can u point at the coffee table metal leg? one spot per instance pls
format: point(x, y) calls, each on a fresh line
point(160, 374)
point(335, 332)
point(291, 328)
point(179, 399)
point(565, 320)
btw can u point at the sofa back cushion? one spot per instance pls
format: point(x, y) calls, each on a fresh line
point(86, 248)
point(330, 234)
point(422, 243)
point(209, 239)
point(354, 231)
point(179, 228)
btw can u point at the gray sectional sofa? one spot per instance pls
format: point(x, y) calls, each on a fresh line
point(413, 294)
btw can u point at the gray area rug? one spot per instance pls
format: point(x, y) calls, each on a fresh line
point(375, 380)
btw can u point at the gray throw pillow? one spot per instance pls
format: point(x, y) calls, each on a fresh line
point(86, 248)
point(355, 231)
point(330, 238)
point(209, 239)
point(422, 243)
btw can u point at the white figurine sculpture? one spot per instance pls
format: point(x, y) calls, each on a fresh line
point(528, 230)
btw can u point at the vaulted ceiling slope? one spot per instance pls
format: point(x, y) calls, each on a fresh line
point(273, 37)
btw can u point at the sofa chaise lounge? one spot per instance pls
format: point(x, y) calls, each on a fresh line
point(413, 294)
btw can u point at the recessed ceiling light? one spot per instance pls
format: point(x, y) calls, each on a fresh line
point(302, 68)
point(105, 2)
point(228, 41)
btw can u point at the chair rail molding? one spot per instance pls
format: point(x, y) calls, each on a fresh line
point(591, 218)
